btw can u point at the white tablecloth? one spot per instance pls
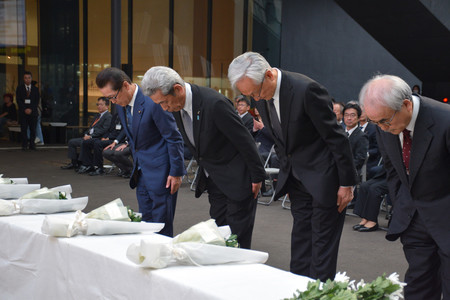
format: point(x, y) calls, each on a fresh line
point(36, 266)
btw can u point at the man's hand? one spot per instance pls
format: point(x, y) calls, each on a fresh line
point(104, 139)
point(255, 189)
point(28, 111)
point(87, 137)
point(110, 146)
point(344, 196)
point(174, 183)
point(121, 147)
point(257, 125)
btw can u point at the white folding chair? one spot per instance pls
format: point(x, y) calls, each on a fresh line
point(270, 172)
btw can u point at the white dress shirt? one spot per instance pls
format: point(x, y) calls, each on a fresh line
point(412, 123)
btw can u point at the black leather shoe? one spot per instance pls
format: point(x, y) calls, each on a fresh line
point(68, 166)
point(368, 229)
point(85, 169)
point(97, 172)
point(357, 226)
point(126, 175)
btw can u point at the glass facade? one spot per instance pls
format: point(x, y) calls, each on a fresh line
point(66, 43)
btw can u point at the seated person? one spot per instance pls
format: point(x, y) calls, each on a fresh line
point(91, 151)
point(97, 129)
point(243, 106)
point(374, 154)
point(370, 196)
point(359, 142)
point(119, 153)
point(8, 115)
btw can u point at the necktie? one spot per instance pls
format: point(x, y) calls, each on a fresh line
point(187, 122)
point(28, 91)
point(96, 120)
point(276, 125)
point(129, 118)
point(406, 151)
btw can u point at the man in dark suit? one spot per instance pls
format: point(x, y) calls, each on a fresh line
point(97, 129)
point(414, 142)
point(359, 142)
point(316, 169)
point(374, 154)
point(156, 144)
point(242, 107)
point(91, 150)
point(230, 167)
point(27, 97)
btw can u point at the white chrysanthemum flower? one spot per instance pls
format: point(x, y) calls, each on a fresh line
point(341, 277)
point(360, 284)
point(351, 285)
point(398, 294)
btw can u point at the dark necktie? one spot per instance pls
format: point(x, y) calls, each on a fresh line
point(276, 125)
point(406, 151)
point(129, 118)
point(187, 123)
point(28, 91)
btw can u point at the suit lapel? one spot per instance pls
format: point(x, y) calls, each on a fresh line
point(197, 117)
point(393, 143)
point(286, 96)
point(138, 110)
point(421, 140)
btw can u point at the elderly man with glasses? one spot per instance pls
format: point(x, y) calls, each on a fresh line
point(317, 168)
point(156, 145)
point(414, 140)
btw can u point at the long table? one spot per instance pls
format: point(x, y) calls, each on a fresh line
point(36, 266)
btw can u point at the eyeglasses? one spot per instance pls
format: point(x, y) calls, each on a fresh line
point(113, 97)
point(350, 115)
point(383, 121)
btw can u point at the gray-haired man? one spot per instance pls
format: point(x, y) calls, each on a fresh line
point(316, 169)
point(230, 167)
point(414, 141)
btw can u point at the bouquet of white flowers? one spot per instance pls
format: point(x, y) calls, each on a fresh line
point(111, 218)
point(13, 188)
point(341, 288)
point(202, 244)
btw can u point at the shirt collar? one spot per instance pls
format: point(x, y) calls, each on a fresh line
point(101, 114)
point(243, 114)
point(351, 130)
point(276, 95)
point(131, 104)
point(415, 113)
point(188, 101)
point(364, 126)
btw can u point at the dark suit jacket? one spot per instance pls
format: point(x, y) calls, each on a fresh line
point(248, 122)
point(359, 143)
point(374, 153)
point(21, 95)
point(223, 146)
point(155, 143)
point(315, 147)
point(427, 189)
point(101, 127)
point(114, 133)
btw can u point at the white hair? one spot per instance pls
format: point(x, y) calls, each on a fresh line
point(160, 78)
point(250, 64)
point(386, 90)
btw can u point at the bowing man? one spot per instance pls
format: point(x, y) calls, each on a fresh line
point(230, 167)
point(316, 165)
point(156, 145)
point(414, 141)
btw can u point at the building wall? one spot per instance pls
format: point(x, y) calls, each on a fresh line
point(321, 41)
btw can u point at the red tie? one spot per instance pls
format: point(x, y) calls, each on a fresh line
point(406, 148)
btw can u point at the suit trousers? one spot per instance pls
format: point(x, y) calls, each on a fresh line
point(28, 121)
point(428, 273)
point(316, 233)
point(239, 215)
point(154, 207)
point(86, 152)
point(120, 158)
point(370, 196)
point(72, 148)
point(99, 145)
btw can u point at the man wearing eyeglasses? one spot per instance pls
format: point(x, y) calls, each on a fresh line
point(316, 169)
point(414, 140)
point(156, 145)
